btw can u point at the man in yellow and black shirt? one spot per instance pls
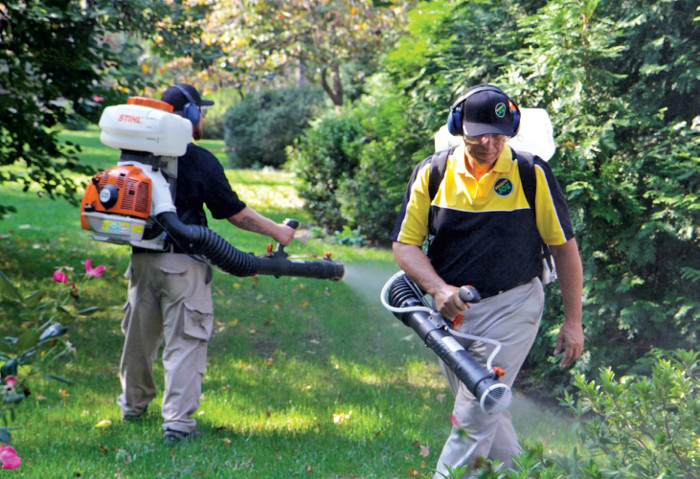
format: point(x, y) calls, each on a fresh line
point(486, 235)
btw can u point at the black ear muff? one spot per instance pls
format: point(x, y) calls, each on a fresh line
point(516, 115)
point(454, 119)
point(456, 114)
point(191, 109)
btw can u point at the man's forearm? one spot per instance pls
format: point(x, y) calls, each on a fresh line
point(570, 272)
point(418, 267)
point(416, 264)
point(250, 220)
point(570, 277)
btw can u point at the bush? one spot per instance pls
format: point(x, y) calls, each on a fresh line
point(636, 427)
point(261, 126)
point(214, 123)
point(643, 426)
point(324, 158)
point(355, 164)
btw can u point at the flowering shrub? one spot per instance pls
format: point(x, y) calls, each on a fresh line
point(42, 322)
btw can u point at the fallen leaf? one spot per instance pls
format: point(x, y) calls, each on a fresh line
point(424, 451)
point(104, 423)
point(339, 418)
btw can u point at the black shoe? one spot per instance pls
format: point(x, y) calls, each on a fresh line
point(133, 417)
point(172, 436)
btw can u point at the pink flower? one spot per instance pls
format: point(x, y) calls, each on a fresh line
point(96, 271)
point(9, 457)
point(454, 421)
point(60, 276)
point(10, 381)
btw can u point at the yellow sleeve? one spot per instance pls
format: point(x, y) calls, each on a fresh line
point(414, 225)
point(552, 213)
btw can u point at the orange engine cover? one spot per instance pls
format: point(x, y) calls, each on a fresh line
point(123, 190)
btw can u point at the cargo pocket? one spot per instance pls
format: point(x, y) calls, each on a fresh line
point(127, 317)
point(199, 322)
point(128, 274)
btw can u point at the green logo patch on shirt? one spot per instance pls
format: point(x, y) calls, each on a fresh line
point(503, 187)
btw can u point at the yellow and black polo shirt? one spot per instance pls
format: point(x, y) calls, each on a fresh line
point(484, 231)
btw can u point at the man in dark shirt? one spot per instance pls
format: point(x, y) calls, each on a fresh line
point(170, 292)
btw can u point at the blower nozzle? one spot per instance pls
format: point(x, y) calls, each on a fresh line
point(201, 240)
point(404, 301)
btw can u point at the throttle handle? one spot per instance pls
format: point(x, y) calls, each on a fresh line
point(469, 294)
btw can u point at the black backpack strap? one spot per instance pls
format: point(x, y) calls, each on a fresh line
point(438, 164)
point(526, 168)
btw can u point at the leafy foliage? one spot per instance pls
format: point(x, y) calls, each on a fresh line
point(348, 160)
point(263, 38)
point(54, 56)
point(323, 159)
point(259, 127)
point(618, 80)
point(623, 166)
point(642, 426)
point(634, 427)
point(41, 319)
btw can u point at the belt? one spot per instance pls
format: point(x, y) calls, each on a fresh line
point(490, 293)
point(170, 248)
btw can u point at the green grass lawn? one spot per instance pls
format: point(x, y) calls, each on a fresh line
point(306, 378)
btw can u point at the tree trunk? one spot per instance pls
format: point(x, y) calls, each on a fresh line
point(335, 90)
point(302, 79)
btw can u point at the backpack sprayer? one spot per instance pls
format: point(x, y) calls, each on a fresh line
point(132, 203)
point(404, 298)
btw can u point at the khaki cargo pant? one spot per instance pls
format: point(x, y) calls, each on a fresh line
point(169, 299)
point(513, 318)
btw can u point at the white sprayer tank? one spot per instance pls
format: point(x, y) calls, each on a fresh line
point(145, 128)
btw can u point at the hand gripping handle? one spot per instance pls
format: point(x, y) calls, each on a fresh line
point(469, 294)
point(294, 224)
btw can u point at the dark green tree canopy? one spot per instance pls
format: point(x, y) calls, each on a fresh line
point(61, 61)
point(620, 81)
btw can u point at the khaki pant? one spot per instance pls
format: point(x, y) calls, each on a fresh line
point(513, 318)
point(169, 299)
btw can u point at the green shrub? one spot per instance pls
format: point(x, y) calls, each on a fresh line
point(260, 126)
point(643, 426)
point(370, 200)
point(214, 124)
point(392, 146)
point(637, 427)
point(324, 158)
point(355, 164)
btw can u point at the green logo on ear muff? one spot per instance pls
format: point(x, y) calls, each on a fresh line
point(500, 110)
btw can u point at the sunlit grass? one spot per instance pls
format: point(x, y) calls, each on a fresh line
point(305, 377)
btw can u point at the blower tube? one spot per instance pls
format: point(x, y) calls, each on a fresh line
point(201, 240)
point(407, 306)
